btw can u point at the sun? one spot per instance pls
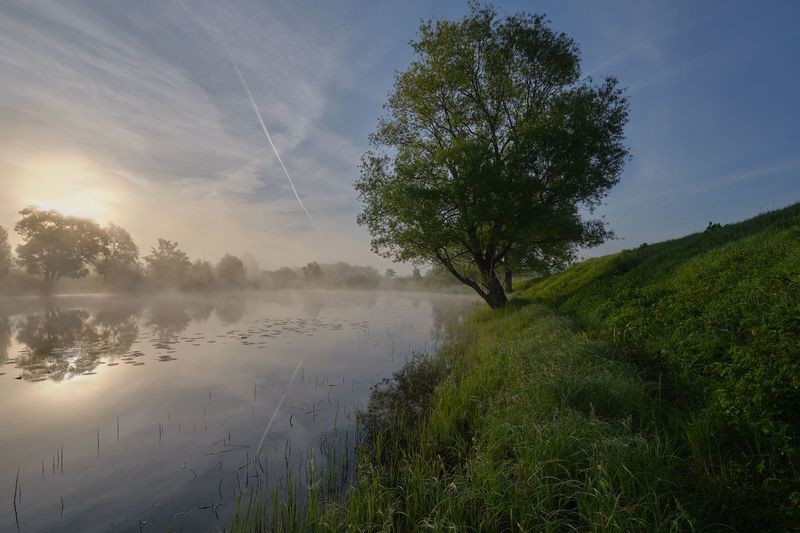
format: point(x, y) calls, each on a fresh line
point(72, 185)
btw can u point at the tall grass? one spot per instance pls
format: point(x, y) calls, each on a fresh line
point(717, 314)
point(533, 427)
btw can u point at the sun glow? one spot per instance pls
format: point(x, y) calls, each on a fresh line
point(71, 185)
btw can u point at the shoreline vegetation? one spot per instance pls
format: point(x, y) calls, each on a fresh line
point(655, 389)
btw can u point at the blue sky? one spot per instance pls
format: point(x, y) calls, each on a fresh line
point(131, 111)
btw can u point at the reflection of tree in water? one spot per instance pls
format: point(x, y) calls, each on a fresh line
point(230, 310)
point(63, 344)
point(168, 318)
point(118, 328)
point(5, 338)
point(200, 311)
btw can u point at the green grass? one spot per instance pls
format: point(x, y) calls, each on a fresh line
point(717, 314)
point(534, 427)
point(657, 389)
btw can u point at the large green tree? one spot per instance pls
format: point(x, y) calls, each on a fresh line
point(119, 262)
point(167, 265)
point(57, 245)
point(492, 141)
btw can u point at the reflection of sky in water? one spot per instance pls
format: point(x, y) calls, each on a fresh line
point(177, 391)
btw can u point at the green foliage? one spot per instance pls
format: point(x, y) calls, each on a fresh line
point(167, 265)
point(718, 313)
point(56, 245)
point(492, 144)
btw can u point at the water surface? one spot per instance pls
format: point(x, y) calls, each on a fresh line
point(123, 413)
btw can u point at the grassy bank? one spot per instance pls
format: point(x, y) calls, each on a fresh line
point(717, 315)
point(533, 426)
point(655, 389)
point(523, 423)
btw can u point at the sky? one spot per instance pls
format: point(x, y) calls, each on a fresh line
point(132, 112)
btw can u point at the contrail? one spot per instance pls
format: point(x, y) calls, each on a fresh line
point(280, 403)
point(266, 133)
point(273, 230)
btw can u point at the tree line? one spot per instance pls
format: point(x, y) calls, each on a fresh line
point(56, 246)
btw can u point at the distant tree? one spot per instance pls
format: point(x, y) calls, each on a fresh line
point(56, 245)
point(493, 140)
point(230, 272)
point(390, 273)
point(5, 253)
point(285, 277)
point(200, 276)
point(415, 273)
point(119, 261)
point(312, 271)
point(250, 266)
point(167, 265)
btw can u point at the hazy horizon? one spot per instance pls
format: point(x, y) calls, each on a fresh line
point(132, 113)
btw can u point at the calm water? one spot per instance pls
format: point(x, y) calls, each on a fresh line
point(123, 414)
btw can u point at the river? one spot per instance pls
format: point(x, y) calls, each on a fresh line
point(125, 413)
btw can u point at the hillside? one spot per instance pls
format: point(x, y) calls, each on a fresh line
point(715, 316)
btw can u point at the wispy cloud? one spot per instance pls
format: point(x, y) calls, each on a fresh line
point(151, 98)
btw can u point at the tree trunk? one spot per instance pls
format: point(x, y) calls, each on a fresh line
point(507, 281)
point(494, 295)
point(493, 290)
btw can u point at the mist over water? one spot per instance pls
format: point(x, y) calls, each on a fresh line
point(123, 412)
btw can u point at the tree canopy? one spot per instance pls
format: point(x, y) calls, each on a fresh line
point(57, 245)
point(200, 276)
point(167, 264)
point(231, 272)
point(119, 261)
point(492, 144)
point(312, 271)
